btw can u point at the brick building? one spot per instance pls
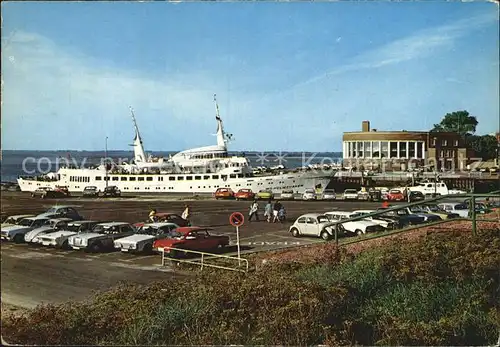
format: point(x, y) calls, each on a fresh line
point(400, 150)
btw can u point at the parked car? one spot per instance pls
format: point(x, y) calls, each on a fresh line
point(62, 211)
point(375, 195)
point(454, 207)
point(54, 224)
point(59, 237)
point(190, 238)
point(403, 218)
point(428, 217)
point(314, 224)
point(350, 194)
point(387, 223)
point(102, 236)
point(90, 192)
point(287, 194)
point(309, 194)
point(434, 209)
point(16, 232)
point(49, 193)
point(224, 193)
point(14, 220)
point(244, 194)
point(142, 240)
point(363, 195)
point(111, 191)
point(170, 217)
point(355, 227)
point(416, 196)
point(265, 195)
point(395, 195)
point(329, 194)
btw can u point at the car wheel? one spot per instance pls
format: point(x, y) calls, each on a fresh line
point(148, 248)
point(19, 238)
point(95, 247)
point(325, 235)
point(359, 232)
point(295, 232)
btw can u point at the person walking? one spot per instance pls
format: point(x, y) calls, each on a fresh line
point(254, 211)
point(268, 211)
point(276, 210)
point(186, 214)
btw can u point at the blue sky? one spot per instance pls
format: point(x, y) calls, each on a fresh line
point(288, 76)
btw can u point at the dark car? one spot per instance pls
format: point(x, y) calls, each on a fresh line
point(111, 191)
point(49, 193)
point(402, 217)
point(375, 195)
point(416, 196)
point(91, 192)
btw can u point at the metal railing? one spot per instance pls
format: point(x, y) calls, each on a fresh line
point(472, 210)
point(204, 257)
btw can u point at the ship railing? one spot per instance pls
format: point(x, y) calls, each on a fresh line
point(242, 263)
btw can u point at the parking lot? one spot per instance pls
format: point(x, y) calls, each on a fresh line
point(31, 275)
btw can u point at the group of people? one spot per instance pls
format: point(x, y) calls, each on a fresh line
point(272, 212)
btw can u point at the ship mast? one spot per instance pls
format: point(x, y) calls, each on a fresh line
point(221, 140)
point(139, 155)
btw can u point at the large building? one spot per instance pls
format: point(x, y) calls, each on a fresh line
point(400, 150)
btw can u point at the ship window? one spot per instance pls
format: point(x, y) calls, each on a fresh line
point(140, 178)
point(180, 178)
point(232, 176)
point(123, 178)
point(106, 178)
point(115, 178)
point(149, 178)
point(132, 179)
point(206, 177)
point(197, 177)
point(189, 178)
point(240, 175)
point(171, 178)
point(215, 177)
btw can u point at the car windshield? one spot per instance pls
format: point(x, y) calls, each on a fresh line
point(461, 207)
point(175, 235)
point(10, 220)
point(350, 191)
point(73, 227)
point(416, 209)
point(90, 188)
point(52, 210)
point(309, 191)
point(329, 191)
point(395, 191)
point(26, 222)
point(288, 191)
point(150, 231)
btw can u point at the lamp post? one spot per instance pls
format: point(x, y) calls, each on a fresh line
point(106, 161)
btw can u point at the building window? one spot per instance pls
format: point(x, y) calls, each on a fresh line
point(456, 143)
point(368, 149)
point(402, 149)
point(420, 154)
point(444, 143)
point(394, 149)
point(385, 149)
point(375, 149)
point(411, 149)
point(360, 150)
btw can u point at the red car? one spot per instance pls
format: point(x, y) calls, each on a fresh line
point(395, 195)
point(190, 238)
point(224, 193)
point(244, 194)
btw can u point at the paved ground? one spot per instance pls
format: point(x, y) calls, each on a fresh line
point(31, 275)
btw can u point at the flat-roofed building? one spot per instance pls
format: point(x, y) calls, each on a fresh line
point(400, 150)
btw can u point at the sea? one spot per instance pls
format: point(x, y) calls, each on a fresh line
point(15, 163)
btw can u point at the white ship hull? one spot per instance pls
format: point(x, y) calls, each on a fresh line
point(77, 179)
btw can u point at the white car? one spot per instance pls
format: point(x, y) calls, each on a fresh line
point(16, 232)
point(350, 194)
point(14, 220)
point(60, 238)
point(309, 194)
point(386, 223)
point(455, 207)
point(287, 195)
point(313, 224)
point(329, 194)
point(142, 241)
point(358, 227)
point(33, 236)
point(102, 236)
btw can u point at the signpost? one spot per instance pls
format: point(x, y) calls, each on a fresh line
point(237, 219)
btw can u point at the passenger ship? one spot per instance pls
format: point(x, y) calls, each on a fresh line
point(193, 171)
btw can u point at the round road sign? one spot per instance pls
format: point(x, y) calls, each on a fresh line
point(236, 219)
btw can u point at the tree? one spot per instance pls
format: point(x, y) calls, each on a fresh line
point(460, 122)
point(485, 146)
